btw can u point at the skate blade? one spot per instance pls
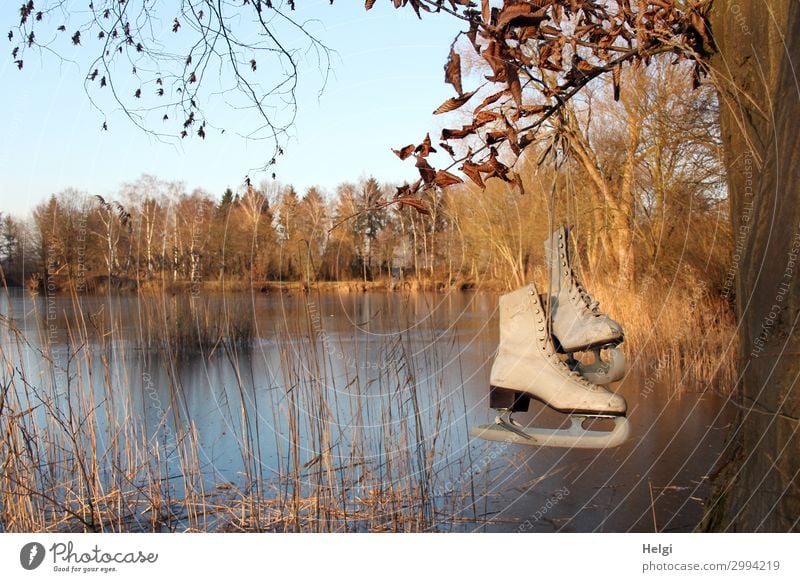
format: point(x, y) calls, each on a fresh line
point(574, 437)
point(601, 345)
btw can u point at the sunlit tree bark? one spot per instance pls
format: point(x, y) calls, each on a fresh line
point(755, 69)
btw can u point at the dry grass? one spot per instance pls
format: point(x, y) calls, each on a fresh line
point(685, 331)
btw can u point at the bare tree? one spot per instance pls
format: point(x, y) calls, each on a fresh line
point(313, 223)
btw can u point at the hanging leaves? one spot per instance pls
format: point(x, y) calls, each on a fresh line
point(555, 47)
point(484, 117)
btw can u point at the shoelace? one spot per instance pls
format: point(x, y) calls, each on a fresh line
point(590, 303)
point(574, 374)
point(555, 359)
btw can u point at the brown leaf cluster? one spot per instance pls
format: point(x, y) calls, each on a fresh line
point(536, 55)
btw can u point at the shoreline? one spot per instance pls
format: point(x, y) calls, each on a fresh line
point(130, 286)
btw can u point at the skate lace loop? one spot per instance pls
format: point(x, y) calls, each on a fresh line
point(573, 374)
point(589, 303)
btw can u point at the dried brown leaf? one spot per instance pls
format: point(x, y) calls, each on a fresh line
point(425, 148)
point(484, 117)
point(453, 103)
point(444, 179)
point(403, 153)
point(532, 109)
point(457, 133)
point(521, 14)
point(452, 71)
point(494, 137)
point(492, 54)
point(414, 203)
point(514, 85)
point(426, 172)
point(489, 100)
point(471, 171)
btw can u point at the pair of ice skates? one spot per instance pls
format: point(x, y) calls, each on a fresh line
point(536, 331)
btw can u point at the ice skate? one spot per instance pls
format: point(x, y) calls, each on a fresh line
point(528, 366)
point(578, 324)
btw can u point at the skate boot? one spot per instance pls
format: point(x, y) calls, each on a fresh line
point(578, 324)
point(528, 366)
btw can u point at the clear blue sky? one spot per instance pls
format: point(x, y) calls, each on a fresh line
point(387, 79)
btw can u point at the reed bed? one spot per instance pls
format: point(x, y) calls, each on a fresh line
point(180, 325)
point(353, 450)
point(686, 332)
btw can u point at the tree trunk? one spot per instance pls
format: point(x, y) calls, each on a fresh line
point(622, 226)
point(624, 213)
point(619, 207)
point(756, 487)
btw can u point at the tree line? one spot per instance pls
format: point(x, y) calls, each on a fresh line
point(642, 182)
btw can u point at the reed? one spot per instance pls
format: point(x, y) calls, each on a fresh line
point(685, 330)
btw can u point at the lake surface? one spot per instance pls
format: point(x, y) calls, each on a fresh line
point(381, 378)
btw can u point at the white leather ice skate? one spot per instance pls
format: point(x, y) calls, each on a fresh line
point(578, 323)
point(528, 366)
